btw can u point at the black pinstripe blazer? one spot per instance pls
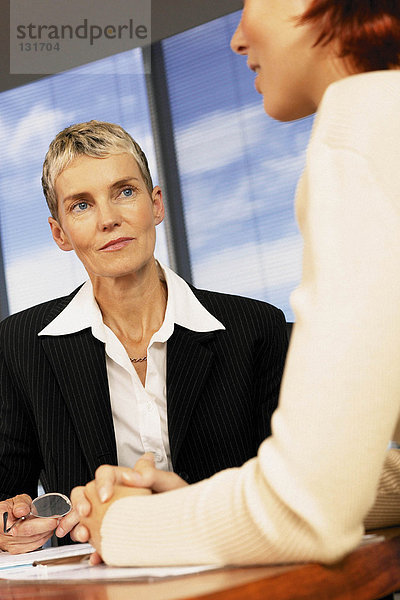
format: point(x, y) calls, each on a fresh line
point(55, 414)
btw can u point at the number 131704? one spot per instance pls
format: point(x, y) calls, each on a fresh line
point(38, 46)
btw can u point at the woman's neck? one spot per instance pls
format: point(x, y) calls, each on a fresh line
point(133, 306)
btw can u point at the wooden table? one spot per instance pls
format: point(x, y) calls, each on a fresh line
point(369, 573)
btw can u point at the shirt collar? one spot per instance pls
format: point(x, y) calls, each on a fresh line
point(183, 308)
point(82, 312)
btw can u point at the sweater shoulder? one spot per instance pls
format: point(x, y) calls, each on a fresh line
point(360, 112)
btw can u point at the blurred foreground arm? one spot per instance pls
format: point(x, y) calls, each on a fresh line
point(307, 493)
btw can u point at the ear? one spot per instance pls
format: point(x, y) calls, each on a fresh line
point(158, 205)
point(59, 236)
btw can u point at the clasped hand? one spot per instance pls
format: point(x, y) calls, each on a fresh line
point(89, 506)
point(110, 484)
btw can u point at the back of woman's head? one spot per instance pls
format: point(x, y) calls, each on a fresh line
point(367, 31)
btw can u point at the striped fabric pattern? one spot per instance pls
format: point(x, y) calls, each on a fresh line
point(55, 414)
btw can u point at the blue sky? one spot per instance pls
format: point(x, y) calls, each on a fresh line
point(239, 169)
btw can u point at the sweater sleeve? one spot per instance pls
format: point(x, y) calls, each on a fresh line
point(386, 509)
point(306, 494)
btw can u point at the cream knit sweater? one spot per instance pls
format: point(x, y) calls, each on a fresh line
point(306, 495)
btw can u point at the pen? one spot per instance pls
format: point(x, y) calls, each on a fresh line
point(63, 560)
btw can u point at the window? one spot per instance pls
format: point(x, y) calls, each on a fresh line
point(35, 268)
point(238, 169)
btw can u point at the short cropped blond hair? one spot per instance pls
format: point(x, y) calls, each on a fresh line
point(97, 139)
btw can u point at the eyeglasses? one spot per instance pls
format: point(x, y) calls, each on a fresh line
point(48, 506)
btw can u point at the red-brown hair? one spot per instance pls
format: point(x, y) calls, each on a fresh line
point(367, 31)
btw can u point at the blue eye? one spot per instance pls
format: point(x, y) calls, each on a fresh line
point(80, 206)
point(128, 193)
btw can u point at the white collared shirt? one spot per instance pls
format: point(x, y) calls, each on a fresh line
point(139, 413)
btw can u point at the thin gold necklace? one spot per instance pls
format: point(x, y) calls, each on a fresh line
point(138, 360)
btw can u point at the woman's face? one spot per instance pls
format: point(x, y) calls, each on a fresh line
point(291, 74)
point(107, 215)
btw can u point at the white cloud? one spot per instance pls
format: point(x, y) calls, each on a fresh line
point(217, 208)
point(249, 268)
point(35, 131)
point(219, 138)
point(282, 167)
point(216, 140)
point(41, 275)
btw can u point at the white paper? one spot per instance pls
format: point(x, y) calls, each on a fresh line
point(20, 567)
point(371, 538)
point(18, 560)
point(84, 572)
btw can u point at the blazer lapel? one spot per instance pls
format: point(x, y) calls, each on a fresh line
point(78, 363)
point(188, 362)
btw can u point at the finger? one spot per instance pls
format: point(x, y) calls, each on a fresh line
point(153, 478)
point(14, 547)
point(165, 481)
point(80, 533)
point(107, 477)
point(142, 473)
point(21, 505)
point(21, 541)
point(80, 502)
point(147, 470)
point(67, 523)
point(34, 527)
point(149, 456)
point(95, 559)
